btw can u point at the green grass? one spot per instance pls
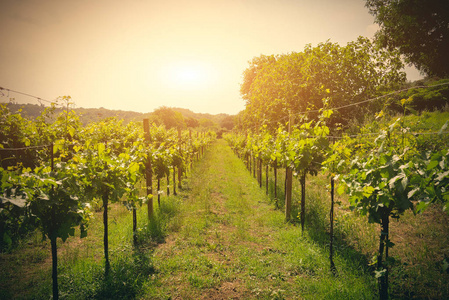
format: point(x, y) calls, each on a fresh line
point(222, 237)
point(233, 236)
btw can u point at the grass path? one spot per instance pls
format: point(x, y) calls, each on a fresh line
point(224, 239)
point(232, 244)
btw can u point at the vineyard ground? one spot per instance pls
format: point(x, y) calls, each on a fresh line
point(222, 238)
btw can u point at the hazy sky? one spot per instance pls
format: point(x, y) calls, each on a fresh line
point(139, 55)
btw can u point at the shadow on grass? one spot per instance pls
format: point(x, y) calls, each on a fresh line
point(316, 223)
point(130, 269)
point(125, 281)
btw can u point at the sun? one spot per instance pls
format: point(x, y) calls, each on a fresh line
point(188, 75)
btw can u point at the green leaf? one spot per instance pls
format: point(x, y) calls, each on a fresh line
point(412, 192)
point(381, 273)
point(368, 191)
point(389, 244)
point(432, 165)
point(133, 168)
point(443, 175)
point(341, 189)
point(58, 146)
point(17, 201)
point(404, 183)
point(100, 148)
point(393, 180)
point(327, 113)
point(421, 206)
point(72, 131)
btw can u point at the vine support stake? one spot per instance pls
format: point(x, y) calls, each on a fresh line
point(174, 181)
point(148, 170)
point(275, 170)
point(266, 179)
point(303, 200)
point(288, 180)
point(180, 153)
point(331, 217)
point(383, 246)
point(52, 157)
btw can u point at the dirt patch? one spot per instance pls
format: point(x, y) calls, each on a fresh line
point(426, 232)
point(227, 290)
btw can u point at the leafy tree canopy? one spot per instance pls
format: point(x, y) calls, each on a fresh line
point(227, 122)
point(276, 86)
point(168, 117)
point(418, 28)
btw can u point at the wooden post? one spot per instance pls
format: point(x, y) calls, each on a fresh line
point(254, 166)
point(276, 181)
point(52, 157)
point(54, 249)
point(54, 274)
point(303, 200)
point(148, 170)
point(288, 192)
point(107, 267)
point(331, 217)
point(331, 229)
point(168, 182)
point(191, 155)
point(158, 192)
point(288, 181)
point(134, 225)
point(266, 179)
point(383, 247)
point(179, 167)
point(174, 181)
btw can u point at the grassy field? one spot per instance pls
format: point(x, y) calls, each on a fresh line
point(222, 238)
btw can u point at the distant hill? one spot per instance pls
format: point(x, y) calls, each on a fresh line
point(88, 115)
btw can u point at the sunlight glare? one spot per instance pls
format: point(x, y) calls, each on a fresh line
point(188, 75)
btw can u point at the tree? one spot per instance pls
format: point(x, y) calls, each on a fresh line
point(418, 28)
point(255, 66)
point(298, 82)
point(206, 123)
point(192, 123)
point(168, 117)
point(227, 122)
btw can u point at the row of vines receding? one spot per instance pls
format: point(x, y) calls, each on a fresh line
point(54, 173)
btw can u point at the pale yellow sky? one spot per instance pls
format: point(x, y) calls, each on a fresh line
point(139, 55)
